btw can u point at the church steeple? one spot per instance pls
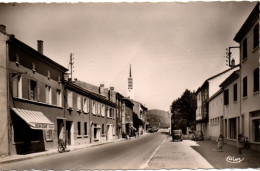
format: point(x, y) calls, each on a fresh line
point(130, 73)
point(130, 90)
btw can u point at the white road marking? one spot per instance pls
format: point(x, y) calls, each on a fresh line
point(145, 163)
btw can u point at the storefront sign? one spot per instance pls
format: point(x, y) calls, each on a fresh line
point(43, 126)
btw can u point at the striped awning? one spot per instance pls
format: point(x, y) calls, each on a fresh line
point(35, 119)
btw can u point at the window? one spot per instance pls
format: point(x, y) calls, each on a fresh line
point(235, 92)
point(85, 128)
point(70, 99)
point(256, 36)
point(103, 129)
point(58, 92)
point(49, 134)
point(256, 80)
point(79, 128)
point(32, 90)
point(79, 103)
point(232, 128)
point(108, 112)
point(48, 94)
point(111, 113)
point(33, 67)
point(256, 127)
point(103, 110)
point(86, 105)
point(97, 108)
point(17, 85)
point(93, 107)
point(48, 74)
point(245, 48)
point(114, 130)
point(244, 86)
point(226, 101)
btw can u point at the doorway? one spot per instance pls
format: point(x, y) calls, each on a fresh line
point(68, 132)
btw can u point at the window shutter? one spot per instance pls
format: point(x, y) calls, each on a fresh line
point(15, 86)
point(38, 92)
point(29, 90)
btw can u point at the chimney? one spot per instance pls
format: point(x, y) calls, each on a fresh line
point(101, 89)
point(233, 63)
point(2, 28)
point(112, 88)
point(75, 79)
point(40, 46)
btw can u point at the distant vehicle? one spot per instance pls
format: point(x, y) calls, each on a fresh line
point(197, 136)
point(177, 135)
point(152, 130)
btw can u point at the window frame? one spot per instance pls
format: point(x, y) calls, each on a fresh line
point(244, 92)
point(79, 128)
point(226, 97)
point(85, 128)
point(256, 80)
point(59, 98)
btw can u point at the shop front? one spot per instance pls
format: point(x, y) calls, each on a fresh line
point(29, 129)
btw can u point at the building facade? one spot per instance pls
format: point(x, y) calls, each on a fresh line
point(248, 39)
point(231, 107)
point(33, 98)
point(208, 89)
point(127, 117)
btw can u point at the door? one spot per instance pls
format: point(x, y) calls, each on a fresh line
point(68, 132)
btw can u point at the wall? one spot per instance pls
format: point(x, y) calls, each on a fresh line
point(3, 96)
point(215, 113)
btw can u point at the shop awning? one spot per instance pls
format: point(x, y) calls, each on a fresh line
point(35, 119)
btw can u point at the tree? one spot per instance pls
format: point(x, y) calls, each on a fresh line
point(183, 111)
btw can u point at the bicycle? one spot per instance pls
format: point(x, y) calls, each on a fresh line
point(62, 146)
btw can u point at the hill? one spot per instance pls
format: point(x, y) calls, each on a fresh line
point(158, 118)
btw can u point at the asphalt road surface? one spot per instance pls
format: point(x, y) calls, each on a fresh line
point(127, 154)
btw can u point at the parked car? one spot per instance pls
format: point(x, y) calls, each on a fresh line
point(197, 136)
point(177, 135)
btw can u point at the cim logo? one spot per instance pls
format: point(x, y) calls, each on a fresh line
point(232, 159)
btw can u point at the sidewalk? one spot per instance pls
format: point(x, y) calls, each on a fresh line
point(201, 155)
point(221, 160)
point(13, 158)
point(177, 155)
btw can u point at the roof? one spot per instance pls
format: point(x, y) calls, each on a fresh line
point(230, 79)
point(91, 94)
point(218, 78)
point(128, 100)
point(248, 24)
point(35, 53)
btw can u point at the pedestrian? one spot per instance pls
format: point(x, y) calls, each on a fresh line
point(220, 143)
point(240, 143)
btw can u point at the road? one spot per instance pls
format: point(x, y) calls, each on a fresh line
point(127, 154)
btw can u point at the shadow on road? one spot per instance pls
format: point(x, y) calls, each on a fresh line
point(229, 158)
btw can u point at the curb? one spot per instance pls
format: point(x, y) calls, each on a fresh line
point(54, 152)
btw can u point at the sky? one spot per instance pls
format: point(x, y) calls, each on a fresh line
point(171, 46)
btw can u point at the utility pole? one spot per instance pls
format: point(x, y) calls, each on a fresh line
point(71, 64)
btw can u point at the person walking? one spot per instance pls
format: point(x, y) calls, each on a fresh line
point(240, 143)
point(220, 143)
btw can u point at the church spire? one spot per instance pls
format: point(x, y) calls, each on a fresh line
point(130, 74)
